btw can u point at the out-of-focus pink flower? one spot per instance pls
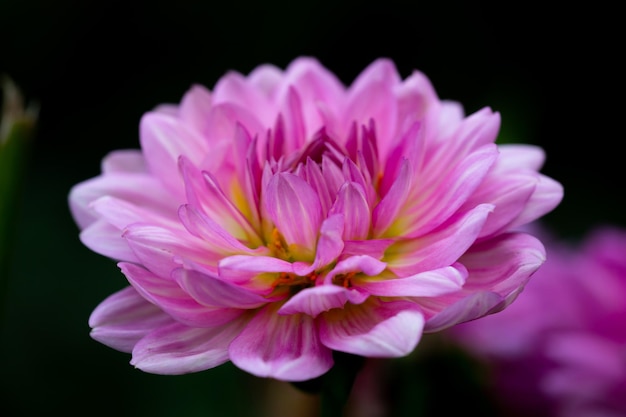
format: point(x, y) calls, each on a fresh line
point(560, 349)
point(282, 216)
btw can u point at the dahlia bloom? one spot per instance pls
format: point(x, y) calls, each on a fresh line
point(283, 216)
point(560, 349)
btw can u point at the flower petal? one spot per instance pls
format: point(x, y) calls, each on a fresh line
point(425, 284)
point(161, 250)
point(123, 318)
point(315, 300)
point(255, 273)
point(386, 211)
point(351, 203)
point(373, 329)
point(330, 243)
point(106, 239)
point(178, 349)
point(282, 347)
point(547, 195)
point(170, 297)
point(441, 247)
point(136, 188)
point(163, 140)
point(233, 88)
point(124, 161)
point(295, 209)
point(429, 207)
point(195, 106)
point(211, 291)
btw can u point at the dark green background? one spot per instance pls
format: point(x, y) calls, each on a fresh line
point(95, 67)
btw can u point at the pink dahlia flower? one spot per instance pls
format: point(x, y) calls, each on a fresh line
point(282, 216)
point(560, 349)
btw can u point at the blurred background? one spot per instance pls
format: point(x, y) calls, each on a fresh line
point(95, 67)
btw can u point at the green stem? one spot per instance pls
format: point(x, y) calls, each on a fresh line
point(336, 385)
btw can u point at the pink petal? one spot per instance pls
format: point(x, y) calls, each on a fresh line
point(161, 250)
point(124, 161)
point(441, 247)
point(195, 106)
point(315, 300)
point(295, 209)
point(233, 88)
point(410, 147)
point(330, 243)
point(255, 273)
point(315, 85)
point(374, 248)
point(295, 128)
point(359, 263)
point(281, 347)
point(121, 213)
point(213, 234)
point(520, 156)
point(373, 329)
point(428, 208)
point(498, 270)
point(178, 349)
point(163, 140)
point(140, 189)
point(547, 195)
point(509, 194)
point(212, 291)
point(387, 209)
point(416, 95)
point(266, 78)
point(106, 239)
point(371, 96)
point(425, 284)
point(503, 264)
point(463, 308)
point(351, 203)
point(123, 318)
point(172, 299)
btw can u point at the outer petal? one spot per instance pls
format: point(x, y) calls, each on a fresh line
point(139, 189)
point(124, 161)
point(162, 250)
point(373, 329)
point(548, 194)
point(163, 140)
point(426, 284)
point(177, 349)
point(498, 270)
point(439, 248)
point(429, 207)
point(233, 88)
point(123, 318)
point(212, 291)
point(461, 307)
point(316, 86)
point(106, 239)
point(168, 295)
point(195, 106)
point(503, 264)
point(282, 347)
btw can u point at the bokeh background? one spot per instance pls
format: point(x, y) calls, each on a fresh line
point(95, 67)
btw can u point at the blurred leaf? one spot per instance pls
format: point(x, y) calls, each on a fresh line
point(16, 130)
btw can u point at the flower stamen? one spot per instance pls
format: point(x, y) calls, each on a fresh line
point(344, 280)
